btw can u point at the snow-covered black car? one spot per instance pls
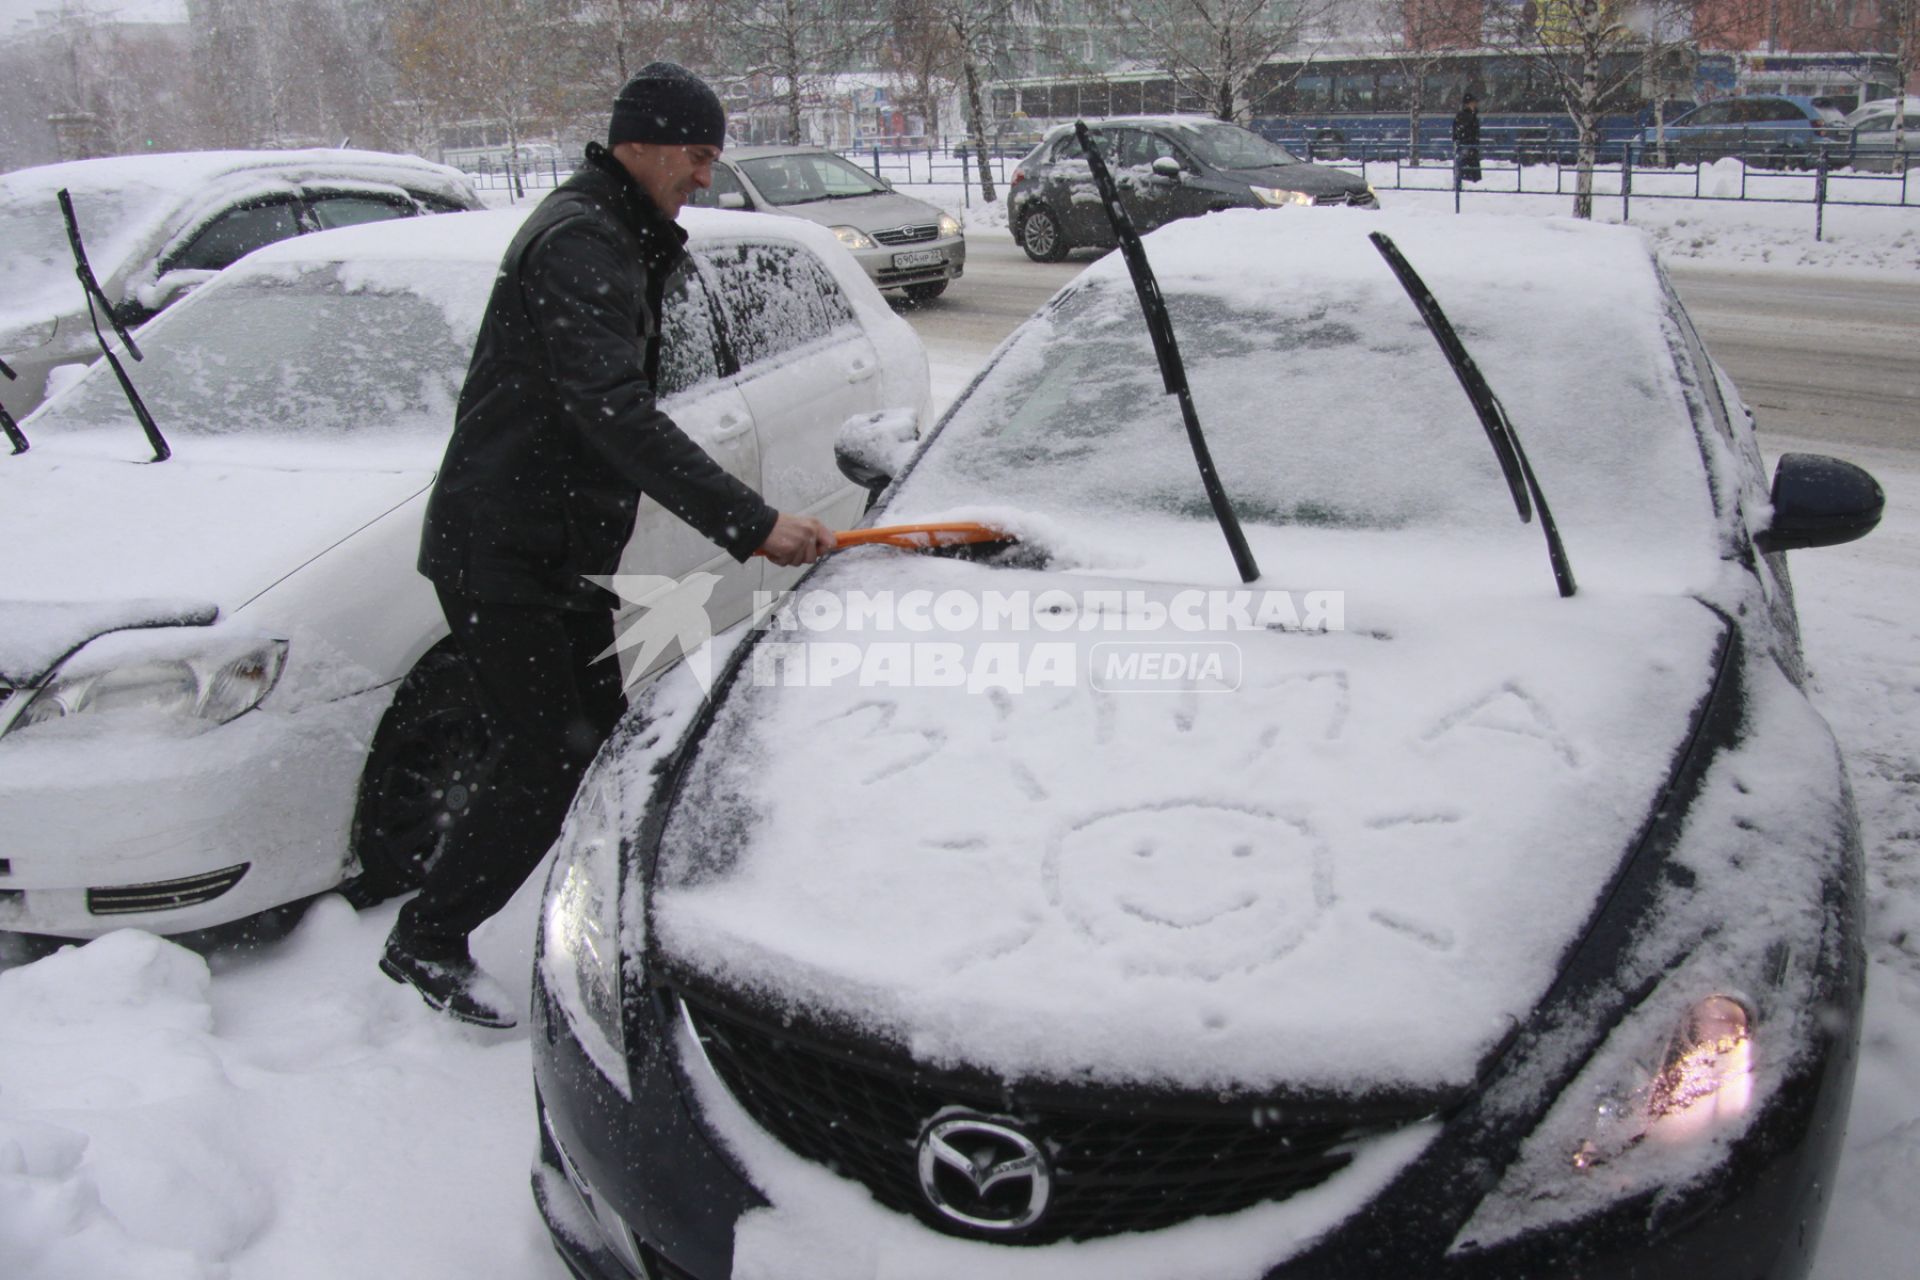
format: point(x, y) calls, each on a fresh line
point(1167, 167)
point(1067, 906)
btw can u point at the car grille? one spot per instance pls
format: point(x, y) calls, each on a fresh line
point(1122, 1162)
point(162, 895)
point(908, 235)
point(1342, 197)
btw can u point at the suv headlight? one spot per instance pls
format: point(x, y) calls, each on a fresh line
point(580, 932)
point(853, 237)
point(202, 690)
point(949, 225)
point(1278, 195)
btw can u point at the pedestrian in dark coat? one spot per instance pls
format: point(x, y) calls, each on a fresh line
point(1466, 139)
point(556, 438)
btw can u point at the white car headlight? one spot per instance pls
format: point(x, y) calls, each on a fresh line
point(580, 932)
point(202, 690)
point(853, 237)
point(1657, 1106)
point(1279, 195)
point(949, 225)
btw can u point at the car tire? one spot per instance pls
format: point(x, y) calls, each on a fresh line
point(1042, 236)
point(925, 292)
point(419, 776)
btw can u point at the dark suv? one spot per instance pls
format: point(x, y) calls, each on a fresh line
point(1167, 167)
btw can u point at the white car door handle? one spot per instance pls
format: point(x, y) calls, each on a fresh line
point(860, 370)
point(731, 424)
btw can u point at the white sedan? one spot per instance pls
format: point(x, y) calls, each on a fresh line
point(223, 686)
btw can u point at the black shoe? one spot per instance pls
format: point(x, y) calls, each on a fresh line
point(448, 980)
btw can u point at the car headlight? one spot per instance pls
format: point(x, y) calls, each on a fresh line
point(202, 690)
point(854, 237)
point(580, 932)
point(1657, 1106)
point(1280, 195)
point(949, 225)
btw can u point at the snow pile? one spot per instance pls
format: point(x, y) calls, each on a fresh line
point(299, 1117)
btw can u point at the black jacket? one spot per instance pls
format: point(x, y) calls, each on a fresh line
point(1466, 129)
point(557, 435)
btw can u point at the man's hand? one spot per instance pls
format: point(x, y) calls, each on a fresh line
point(797, 540)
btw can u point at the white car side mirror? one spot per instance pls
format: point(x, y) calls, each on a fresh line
point(872, 448)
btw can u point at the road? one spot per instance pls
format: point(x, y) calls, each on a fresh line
point(1836, 361)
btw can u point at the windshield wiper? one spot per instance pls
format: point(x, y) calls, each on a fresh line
point(1493, 415)
point(1173, 373)
point(7, 424)
point(91, 287)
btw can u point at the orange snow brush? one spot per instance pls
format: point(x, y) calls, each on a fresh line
point(919, 537)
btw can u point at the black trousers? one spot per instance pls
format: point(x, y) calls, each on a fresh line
point(548, 705)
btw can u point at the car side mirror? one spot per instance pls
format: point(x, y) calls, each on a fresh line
point(1820, 502)
point(1167, 167)
point(731, 200)
point(887, 183)
point(873, 448)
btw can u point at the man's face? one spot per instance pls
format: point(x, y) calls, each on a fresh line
point(668, 172)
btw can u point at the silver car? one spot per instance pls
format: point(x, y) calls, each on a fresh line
point(1874, 143)
point(901, 242)
point(157, 226)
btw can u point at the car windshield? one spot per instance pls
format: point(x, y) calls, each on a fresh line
point(273, 355)
point(1072, 422)
point(813, 175)
point(1226, 146)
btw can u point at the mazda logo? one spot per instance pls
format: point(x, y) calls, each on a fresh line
point(981, 1172)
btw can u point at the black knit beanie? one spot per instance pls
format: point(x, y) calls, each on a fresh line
point(667, 103)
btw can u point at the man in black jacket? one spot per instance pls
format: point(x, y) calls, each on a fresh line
point(556, 439)
point(1466, 139)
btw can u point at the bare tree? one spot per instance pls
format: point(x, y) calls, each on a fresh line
point(922, 58)
point(978, 33)
point(1218, 51)
point(790, 52)
point(1418, 35)
point(491, 60)
point(1597, 54)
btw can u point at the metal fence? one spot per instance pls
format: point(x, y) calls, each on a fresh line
point(1627, 176)
point(926, 166)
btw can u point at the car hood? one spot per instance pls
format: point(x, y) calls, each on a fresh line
point(881, 211)
point(101, 543)
point(1315, 180)
point(1358, 867)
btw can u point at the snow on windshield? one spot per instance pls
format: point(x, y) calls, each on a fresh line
point(298, 352)
point(1324, 399)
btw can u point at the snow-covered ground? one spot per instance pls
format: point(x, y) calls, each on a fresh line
point(286, 1113)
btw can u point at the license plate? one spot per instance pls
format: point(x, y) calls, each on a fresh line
point(919, 258)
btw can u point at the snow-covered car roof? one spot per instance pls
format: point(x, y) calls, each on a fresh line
point(1387, 829)
point(130, 205)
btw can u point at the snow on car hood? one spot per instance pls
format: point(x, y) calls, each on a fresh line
point(1361, 865)
point(99, 542)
